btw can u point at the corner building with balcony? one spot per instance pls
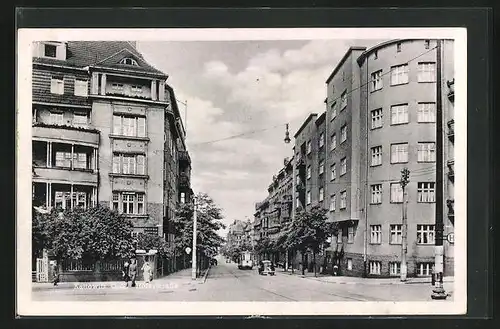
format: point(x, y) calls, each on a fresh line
point(106, 130)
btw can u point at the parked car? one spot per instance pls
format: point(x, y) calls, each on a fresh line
point(266, 267)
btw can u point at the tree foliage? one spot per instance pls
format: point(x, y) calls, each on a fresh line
point(156, 242)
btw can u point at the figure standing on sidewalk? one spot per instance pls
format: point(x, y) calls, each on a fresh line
point(55, 273)
point(146, 268)
point(125, 272)
point(132, 271)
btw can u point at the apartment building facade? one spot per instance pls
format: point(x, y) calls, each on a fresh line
point(106, 130)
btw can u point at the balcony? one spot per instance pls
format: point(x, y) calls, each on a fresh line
point(451, 129)
point(84, 176)
point(300, 162)
point(184, 157)
point(66, 133)
point(184, 180)
point(451, 169)
point(451, 89)
point(450, 203)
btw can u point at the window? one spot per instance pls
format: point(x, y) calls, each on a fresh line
point(117, 88)
point(333, 202)
point(80, 120)
point(50, 51)
point(377, 118)
point(333, 173)
point(396, 232)
point(427, 152)
point(376, 194)
point(427, 44)
point(375, 267)
point(343, 166)
point(399, 153)
point(333, 143)
point(333, 111)
point(63, 159)
point(80, 160)
point(399, 75)
point(343, 75)
point(426, 72)
point(375, 54)
point(321, 194)
point(343, 100)
point(129, 203)
point(396, 193)
point(321, 140)
point(394, 268)
point(321, 167)
point(376, 81)
point(56, 118)
point(308, 197)
point(183, 197)
point(343, 133)
point(297, 202)
point(426, 112)
point(81, 87)
point(425, 192)
point(308, 172)
point(297, 179)
point(57, 85)
point(399, 114)
point(129, 61)
point(136, 90)
point(129, 126)
point(350, 234)
point(398, 47)
point(425, 234)
point(343, 199)
point(309, 147)
point(349, 264)
point(424, 269)
point(129, 164)
point(376, 234)
point(376, 155)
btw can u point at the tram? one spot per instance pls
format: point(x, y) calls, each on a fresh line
point(245, 260)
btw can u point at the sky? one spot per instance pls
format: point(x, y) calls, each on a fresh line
point(247, 89)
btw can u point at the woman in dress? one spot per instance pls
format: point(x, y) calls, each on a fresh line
point(125, 273)
point(146, 268)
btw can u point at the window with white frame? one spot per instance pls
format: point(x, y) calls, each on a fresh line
point(80, 119)
point(399, 74)
point(425, 192)
point(427, 44)
point(333, 202)
point(396, 193)
point(376, 81)
point(376, 155)
point(426, 112)
point(117, 88)
point(375, 267)
point(376, 194)
point(377, 118)
point(81, 87)
point(399, 114)
point(425, 234)
point(129, 126)
point(63, 159)
point(56, 118)
point(50, 51)
point(129, 164)
point(80, 161)
point(321, 140)
point(343, 166)
point(333, 172)
point(343, 199)
point(308, 199)
point(350, 234)
point(62, 200)
point(129, 61)
point(426, 72)
point(136, 89)
point(308, 174)
point(333, 111)
point(396, 234)
point(399, 153)
point(394, 268)
point(424, 269)
point(376, 234)
point(349, 264)
point(309, 147)
point(426, 152)
point(321, 167)
point(57, 85)
point(333, 143)
point(343, 133)
point(343, 100)
point(129, 203)
point(321, 194)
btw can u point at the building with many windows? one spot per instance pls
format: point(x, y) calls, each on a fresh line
point(107, 130)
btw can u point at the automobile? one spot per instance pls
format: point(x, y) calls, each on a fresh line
point(266, 267)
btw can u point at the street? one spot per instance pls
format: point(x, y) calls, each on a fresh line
point(226, 282)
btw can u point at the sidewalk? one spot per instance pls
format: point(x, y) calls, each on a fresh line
point(173, 280)
point(361, 281)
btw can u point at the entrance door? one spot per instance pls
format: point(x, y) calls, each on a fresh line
point(42, 270)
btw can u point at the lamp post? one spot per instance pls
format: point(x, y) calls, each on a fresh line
point(405, 178)
point(193, 256)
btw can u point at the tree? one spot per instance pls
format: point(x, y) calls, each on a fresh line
point(39, 232)
point(155, 242)
point(264, 246)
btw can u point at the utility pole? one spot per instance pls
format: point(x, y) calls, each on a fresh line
point(405, 179)
point(193, 259)
point(438, 292)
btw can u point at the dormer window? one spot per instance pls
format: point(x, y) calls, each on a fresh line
point(129, 61)
point(50, 51)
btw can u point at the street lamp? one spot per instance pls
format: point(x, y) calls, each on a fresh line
point(193, 256)
point(405, 178)
point(287, 135)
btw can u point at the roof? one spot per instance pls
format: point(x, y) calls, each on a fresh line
point(362, 57)
point(339, 65)
point(309, 118)
point(45, 97)
point(321, 119)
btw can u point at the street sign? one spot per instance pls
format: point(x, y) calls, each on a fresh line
point(188, 250)
point(451, 237)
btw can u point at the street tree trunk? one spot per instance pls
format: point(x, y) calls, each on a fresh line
point(314, 263)
point(303, 261)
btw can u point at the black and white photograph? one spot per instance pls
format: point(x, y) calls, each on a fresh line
point(280, 171)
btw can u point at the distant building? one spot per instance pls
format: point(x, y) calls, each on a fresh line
point(239, 234)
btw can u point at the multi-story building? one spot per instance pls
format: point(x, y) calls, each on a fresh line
point(107, 130)
point(239, 234)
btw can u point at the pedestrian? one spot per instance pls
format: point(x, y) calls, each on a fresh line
point(55, 273)
point(132, 271)
point(125, 273)
point(335, 270)
point(146, 269)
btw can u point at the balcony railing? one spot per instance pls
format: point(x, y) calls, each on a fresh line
point(184, 157)
point(451, 208)
point(451, 89)
point(300, 162)
point(451, 169)
point(451, 129)
point(184, 180)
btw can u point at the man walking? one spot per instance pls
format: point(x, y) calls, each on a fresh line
point(132, 271)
